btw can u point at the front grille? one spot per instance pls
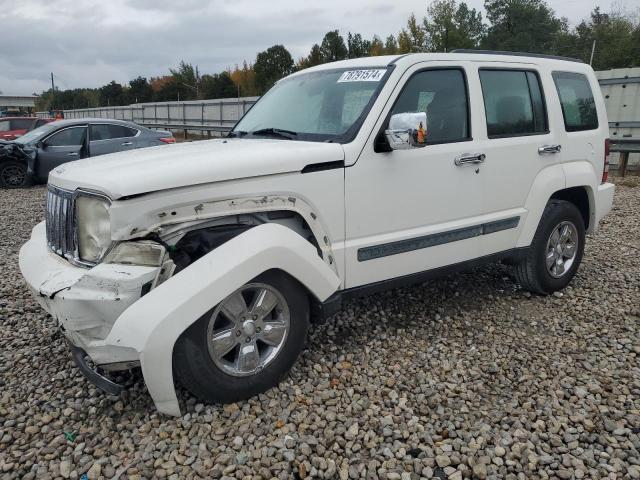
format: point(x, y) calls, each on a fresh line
point(60, 212)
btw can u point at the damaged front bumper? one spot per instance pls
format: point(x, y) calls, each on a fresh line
point(85, 302)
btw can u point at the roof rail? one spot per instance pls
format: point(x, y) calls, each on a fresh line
point(515, 54)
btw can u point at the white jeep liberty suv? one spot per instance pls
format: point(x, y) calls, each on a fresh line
point(204, 262)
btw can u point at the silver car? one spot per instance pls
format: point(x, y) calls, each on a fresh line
point(29, 158)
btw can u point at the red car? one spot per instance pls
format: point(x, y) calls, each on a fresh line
point(12, 127)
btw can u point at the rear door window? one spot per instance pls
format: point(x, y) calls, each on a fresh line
point(576, 99)
point(105, 131)
point(513, 103)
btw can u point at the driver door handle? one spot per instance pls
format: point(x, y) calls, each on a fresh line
point(548, 149)
point(126, 144)
point(469, 158)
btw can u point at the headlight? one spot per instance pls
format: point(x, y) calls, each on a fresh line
point(144, 252)
point(94, 227)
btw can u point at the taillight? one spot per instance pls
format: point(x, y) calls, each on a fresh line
point(605, 168)
point(167, 139)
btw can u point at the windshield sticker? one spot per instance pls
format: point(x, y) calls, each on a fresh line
point(362, 76)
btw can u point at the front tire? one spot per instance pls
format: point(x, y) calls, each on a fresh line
point(556, 250)
point(14, 175)
point(247, 343)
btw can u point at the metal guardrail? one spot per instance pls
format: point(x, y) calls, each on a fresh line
point(624, 146)
point(210, 116)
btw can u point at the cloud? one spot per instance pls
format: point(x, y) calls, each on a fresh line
point(89, 43)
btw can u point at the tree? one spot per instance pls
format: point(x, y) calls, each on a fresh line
point(245, 79)
point(218, 85)
point(140, 90)
point(186, 81)
point(332, 47)
point(521, 25)
point(390, 45)
point(271, 65)
point(616, 37)
point(356, 46)
point(412, 38)
point(377, 47)
point(314, 58)
point(449, 26)
point(112, 94)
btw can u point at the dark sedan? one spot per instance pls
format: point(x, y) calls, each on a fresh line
point(31, 157)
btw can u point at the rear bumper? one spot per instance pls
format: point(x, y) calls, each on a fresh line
point(603, 202)
point(84, 302)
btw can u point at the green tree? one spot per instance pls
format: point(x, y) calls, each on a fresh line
point(390, 45)
point(616, 37)
point(449, 26)
point(357, 47)
point(218, 85)
point(521, 25)
point(112, 94)
point(140, 90)
point(412, 38)
point(271, 65)
point(376, 47)
point(314, 58)
point(185, 81)
point(332, 47)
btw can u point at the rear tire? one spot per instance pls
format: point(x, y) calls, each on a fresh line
point(200, 362)
point(14, 175)
point(556, 251)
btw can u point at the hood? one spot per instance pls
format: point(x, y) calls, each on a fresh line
point(178, 165)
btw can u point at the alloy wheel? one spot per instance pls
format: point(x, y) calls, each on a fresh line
point(248, 329)
point(562, 248)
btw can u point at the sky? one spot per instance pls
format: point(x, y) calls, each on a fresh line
point(87, 43)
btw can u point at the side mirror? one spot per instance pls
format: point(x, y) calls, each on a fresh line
point(407, 130)
point(41, 145)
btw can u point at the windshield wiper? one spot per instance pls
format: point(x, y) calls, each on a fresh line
point(236, 133)
point(277, 132)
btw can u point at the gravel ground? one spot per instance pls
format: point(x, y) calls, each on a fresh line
point(463, 377)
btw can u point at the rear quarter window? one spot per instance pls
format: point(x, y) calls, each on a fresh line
point(576, 98)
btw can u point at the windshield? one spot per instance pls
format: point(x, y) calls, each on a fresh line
point(319, 106)
point(36, 134)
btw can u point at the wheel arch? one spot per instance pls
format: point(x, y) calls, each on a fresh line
point(582, 198)
point(153, 324)
point(573, 182)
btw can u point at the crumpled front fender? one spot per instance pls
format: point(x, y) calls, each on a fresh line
point(153, 324)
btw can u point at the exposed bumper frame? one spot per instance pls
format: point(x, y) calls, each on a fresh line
point(99, 380)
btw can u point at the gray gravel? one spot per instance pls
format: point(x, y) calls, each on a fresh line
point(468, 376)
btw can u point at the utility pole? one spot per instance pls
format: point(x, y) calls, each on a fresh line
point(53, 92)
point(593, 50)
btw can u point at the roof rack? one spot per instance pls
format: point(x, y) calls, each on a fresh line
point(515, 54)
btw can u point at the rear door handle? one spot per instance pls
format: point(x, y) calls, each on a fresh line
point(72, 154)
point(126, 144)
point(548, 149)
point(466, 158)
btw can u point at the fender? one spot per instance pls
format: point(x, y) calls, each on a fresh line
point(547, 182)
point(154, 323)
point(582, 174)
